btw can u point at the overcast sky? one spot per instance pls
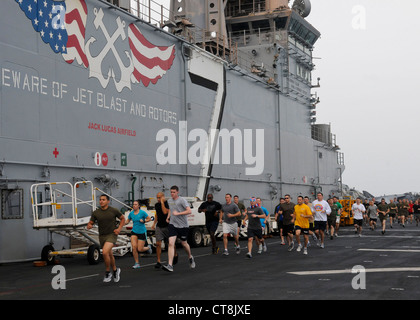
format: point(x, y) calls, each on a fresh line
point(370, 78)
point(368, 59)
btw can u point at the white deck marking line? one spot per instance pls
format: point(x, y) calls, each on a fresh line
point(321, 272)
point(389, 250)
point(78, 278)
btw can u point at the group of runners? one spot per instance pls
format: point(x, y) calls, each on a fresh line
point(171, 223)
point(368, 213)
point(317, 219)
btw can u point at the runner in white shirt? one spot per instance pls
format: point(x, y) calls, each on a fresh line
point(358, 209)
point(321, 209)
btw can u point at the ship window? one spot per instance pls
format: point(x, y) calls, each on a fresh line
point(12, 204)
point(240, 27)
point(303, 73)
point(261, 24)
point(280, 22)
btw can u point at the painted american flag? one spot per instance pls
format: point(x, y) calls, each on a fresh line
point(150, 62)
point(61, 24)
point(76, 16)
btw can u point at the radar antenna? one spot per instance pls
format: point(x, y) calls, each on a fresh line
point(303, 7)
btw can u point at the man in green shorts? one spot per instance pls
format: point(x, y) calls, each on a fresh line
point(332, 217)
point(383, 211)
point(338, 218)
point(403, 211)
point(393, 209)
point(108, 234)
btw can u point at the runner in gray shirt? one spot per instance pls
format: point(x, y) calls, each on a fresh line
point(228, 217)
point(228, 211)
point(178, 205)
point(372, 211)
point(179, 209)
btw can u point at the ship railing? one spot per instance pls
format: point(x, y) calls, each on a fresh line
point(63, 203)
point(258, 36)
point(63, 195)
point(158, 15)
point(240, 9)
point(150, 11)
point(217, 43)
point(329, 139)
point(322, 135)
point(340, 158)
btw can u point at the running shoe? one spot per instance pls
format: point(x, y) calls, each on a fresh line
point(192, 262)
point(168, 268)
point(108, 277)
point(117, 275)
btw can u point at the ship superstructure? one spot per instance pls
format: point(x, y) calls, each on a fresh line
point(214, 96)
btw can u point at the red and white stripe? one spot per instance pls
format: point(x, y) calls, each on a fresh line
point(150, 62)
point(76, 16)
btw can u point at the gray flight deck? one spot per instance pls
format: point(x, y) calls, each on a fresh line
point(391, 262)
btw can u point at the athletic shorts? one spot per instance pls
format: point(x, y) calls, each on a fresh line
point(230, 228)
point(107, 238)
point(358, 222)
point(140, 236)
point(212, 226)
point(311, 226)
point(181, 233)
point(252, 233)
point(289, 228)
point(161, 233)
point(302, 230)
point(320, 225)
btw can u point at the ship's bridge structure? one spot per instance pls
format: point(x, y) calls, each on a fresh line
point(270, 41)
point(268, 38)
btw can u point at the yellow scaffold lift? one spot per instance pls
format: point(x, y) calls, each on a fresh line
point(346, 214)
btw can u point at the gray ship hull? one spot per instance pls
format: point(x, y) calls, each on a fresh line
point(101, 121)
